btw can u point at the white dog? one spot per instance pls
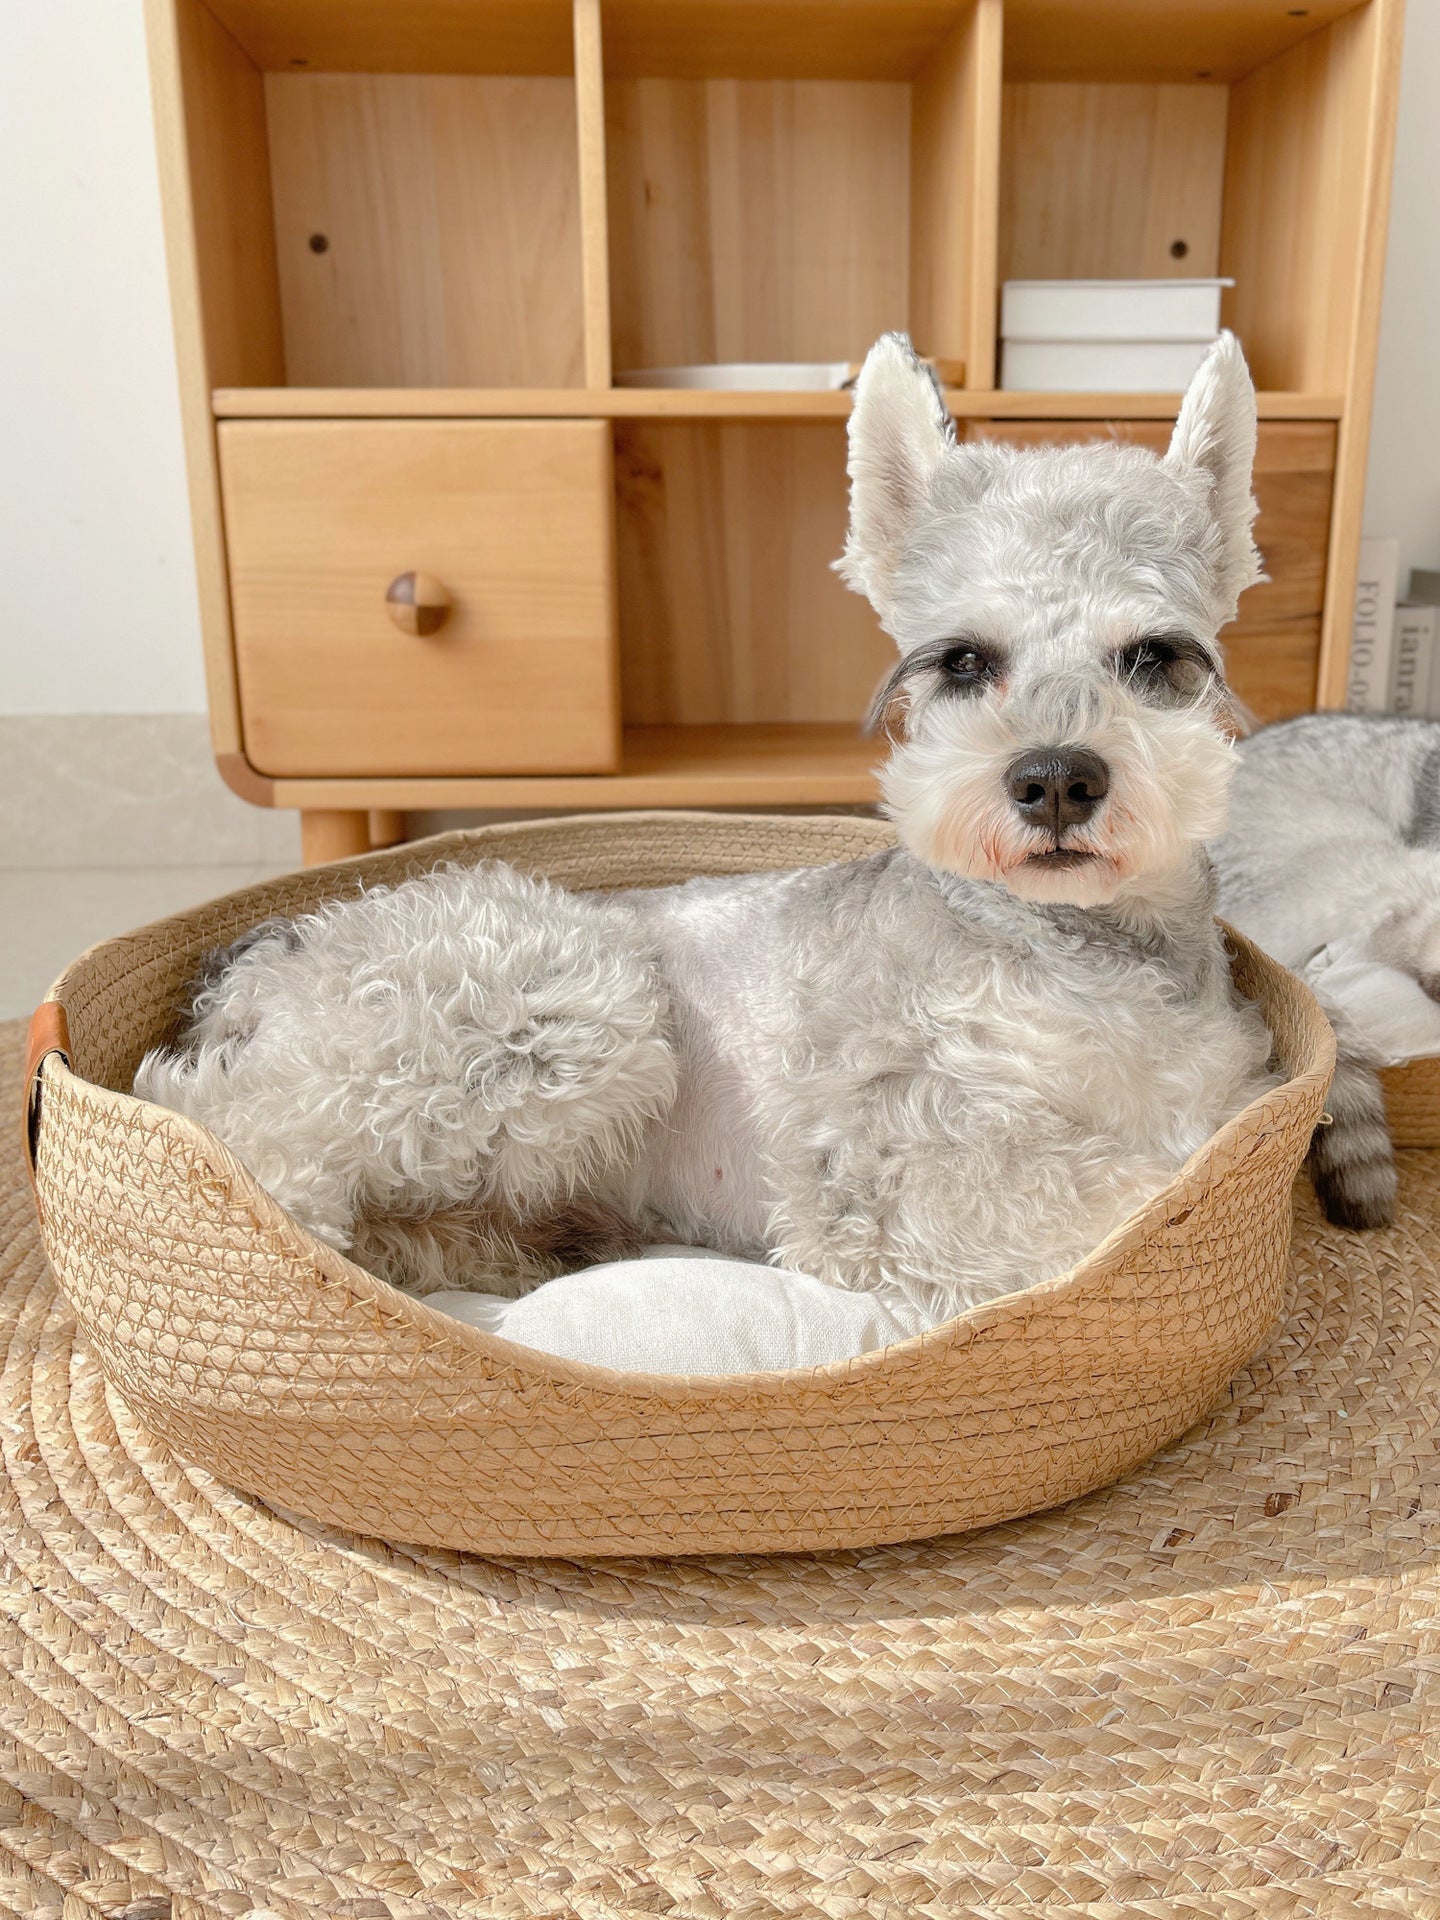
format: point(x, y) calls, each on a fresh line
point(947, 1070)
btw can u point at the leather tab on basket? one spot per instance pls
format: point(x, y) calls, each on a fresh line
point(49, 1033)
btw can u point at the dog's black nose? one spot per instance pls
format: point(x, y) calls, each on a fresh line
point(1058, 787)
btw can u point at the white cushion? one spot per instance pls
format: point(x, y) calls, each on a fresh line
point(1385, 1012)
point(686, 1310)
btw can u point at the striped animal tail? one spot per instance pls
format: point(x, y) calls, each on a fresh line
point(1352, 1162)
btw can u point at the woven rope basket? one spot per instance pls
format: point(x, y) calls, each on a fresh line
point(1412, 1103)
point(283, 1369)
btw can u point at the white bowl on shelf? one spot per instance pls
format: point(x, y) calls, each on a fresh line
point(747, 376)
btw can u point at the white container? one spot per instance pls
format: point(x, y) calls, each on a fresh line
point(1100, 366)
point(749, 376)
point(1111, 309)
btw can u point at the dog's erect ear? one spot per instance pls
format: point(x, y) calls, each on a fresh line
point(899, 434)
point(1216, 434)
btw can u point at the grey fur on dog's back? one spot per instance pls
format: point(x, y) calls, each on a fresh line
point(1334, 845)
point(838, 1033)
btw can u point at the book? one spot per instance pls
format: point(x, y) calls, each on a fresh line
point(1110, 310)
point(1412, 668)
point(1424, 616)
point(1372, 633)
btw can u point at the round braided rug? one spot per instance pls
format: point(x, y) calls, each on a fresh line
point(1213, 1689)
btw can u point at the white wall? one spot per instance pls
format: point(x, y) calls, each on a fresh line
point(99, 611)
point(1402, 495)
point(99, 594)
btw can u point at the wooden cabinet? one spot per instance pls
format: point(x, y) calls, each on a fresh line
point(411, 242)
point(512, 667)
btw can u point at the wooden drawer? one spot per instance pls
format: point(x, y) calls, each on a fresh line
point(1272, 651)
point(514, 519)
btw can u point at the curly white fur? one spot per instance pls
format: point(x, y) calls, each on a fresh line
point(948, 1070)
point(474, 1039)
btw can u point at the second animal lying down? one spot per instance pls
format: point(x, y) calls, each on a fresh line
point(1332, 864)
point(947, 1070)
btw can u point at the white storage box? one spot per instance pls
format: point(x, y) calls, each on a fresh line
point(1148, 310)
point(1100, 366)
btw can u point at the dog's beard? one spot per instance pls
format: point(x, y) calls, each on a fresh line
point(945, 787)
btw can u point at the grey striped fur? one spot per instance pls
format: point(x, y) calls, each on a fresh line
point(1352, 1163)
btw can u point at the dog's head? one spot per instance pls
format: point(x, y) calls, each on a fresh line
point(1059, 715)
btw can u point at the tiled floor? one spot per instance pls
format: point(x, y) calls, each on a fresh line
point(109, 820)
point(47, 917)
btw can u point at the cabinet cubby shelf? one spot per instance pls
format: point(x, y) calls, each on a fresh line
point(639, 403)
point(415, 243)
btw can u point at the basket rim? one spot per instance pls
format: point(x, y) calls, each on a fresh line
point(1185, 1189)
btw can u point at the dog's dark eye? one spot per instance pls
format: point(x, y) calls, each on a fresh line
point(1165, 664)
point(1147, 658)
point(967, 664)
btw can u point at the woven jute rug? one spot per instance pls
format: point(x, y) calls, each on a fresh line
point(1212, 1690)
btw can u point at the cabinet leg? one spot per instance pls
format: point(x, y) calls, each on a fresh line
point(329, 834)
point(387, 827)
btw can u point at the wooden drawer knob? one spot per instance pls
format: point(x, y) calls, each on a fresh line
point(417, 602)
